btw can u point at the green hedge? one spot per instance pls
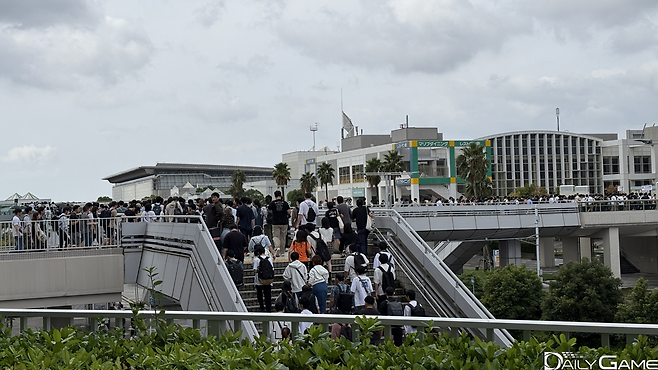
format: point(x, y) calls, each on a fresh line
point(173, 347)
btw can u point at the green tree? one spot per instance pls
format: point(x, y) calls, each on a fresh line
point(472, 166)
point(393, 163)
point(529, 190)
point(478, 280)
point(326, 176)
point(640, 306)
point(104, 198)
point(513, 292)
point(254, 194)
point(308, 181)
point(293, 195)
point(281, 175)
point(237, 181)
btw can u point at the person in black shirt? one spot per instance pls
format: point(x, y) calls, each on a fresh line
point(369, 309)
point(280, 215)
point(360, 216)
point(236, 242)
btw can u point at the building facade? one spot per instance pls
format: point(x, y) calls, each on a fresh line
point(160, 179)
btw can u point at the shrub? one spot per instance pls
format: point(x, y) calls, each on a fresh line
point(640, 306)
point(478, 277)
point(513, 292)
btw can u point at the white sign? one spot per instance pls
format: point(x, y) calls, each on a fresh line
point(647, 187)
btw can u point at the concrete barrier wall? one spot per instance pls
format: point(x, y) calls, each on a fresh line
point(45, 279)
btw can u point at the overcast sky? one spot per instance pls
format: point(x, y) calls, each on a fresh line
point(92, 88)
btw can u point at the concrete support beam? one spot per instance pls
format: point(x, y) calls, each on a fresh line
point(510, 252)
point(546, 252)
point(585, 248)
point(611, 250)
point(570, 249)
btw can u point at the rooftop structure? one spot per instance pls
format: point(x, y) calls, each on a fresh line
point(144, 181)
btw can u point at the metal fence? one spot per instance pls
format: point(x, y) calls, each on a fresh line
point(214, 323)
point(73, 233)
point(617, 205)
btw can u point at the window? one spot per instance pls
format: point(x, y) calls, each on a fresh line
point(642, 164)
point(344, 175)
point(357, 173)
point(611, 165)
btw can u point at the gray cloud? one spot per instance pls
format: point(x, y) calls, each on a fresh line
point(406, 36)
point(37, 13)
point(210, 12)
point(256, 66)
point(62, 53)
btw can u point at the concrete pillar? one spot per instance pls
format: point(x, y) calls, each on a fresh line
point(415, 190)
point(570, 249)
point(611, 250)
point(546, 252)
point(585, 248)
point(510, 252)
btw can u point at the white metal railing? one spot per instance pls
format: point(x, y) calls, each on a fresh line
point(219, 320)
point(78, 233)
point(483, 210)
point(609, 205)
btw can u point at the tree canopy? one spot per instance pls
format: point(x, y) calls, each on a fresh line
point(281, 175)
point(513, 292)
point(237, 181)
point(308, 181)
point(326, 176)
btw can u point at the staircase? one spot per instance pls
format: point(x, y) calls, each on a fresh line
point(626, 266)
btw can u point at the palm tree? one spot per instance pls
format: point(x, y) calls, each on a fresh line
point(237, 181)
point(326, 177)
point(393, 163)
point(308, 182)
point(373, 165)
point(472, 166)
point(281, 175)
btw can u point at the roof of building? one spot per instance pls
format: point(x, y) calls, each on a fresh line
point(160, 168)
point(592, 136)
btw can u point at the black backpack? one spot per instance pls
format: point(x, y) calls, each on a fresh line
point(388, 280)
point(359, 260)
point(394, 308)
point(310, 216)
point(265, 271)
point(157, 209)
point(307, 293)
point(290, 304)
point(235, 270)
point(270, 217)
point(321, 248)
point(344, 303)
point(418, 310)
point(105, 214)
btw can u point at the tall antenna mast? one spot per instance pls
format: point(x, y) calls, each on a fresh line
point(313, 129)
point(557, 114)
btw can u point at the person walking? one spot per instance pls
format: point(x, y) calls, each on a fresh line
point(296, 274)
point(301, 247)
point(318, 277)
point(360, 216)
point(263, 266)
point(280, 215)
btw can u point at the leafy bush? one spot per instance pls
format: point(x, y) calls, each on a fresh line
point(640, 305)
point(479, 277)
point(184, 348)
point(513, 292)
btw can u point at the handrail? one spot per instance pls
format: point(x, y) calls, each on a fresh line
point(402, 262)
point(428, 251)
point(387, 321)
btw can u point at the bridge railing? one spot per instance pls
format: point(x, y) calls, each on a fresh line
point(617, 205)
point(484, 210)
point(78, 233)
point(219, 321)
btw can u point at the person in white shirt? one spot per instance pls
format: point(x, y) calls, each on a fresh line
point(350, 266)
point(16, 231)
point(304, 303)
point(258, 238)
point(411, 296)
point(277, 327)
point(383, 249)
point(296, 274)
point(361, 287)
point(318, 277)
point(148, 215)
point(379, 274)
